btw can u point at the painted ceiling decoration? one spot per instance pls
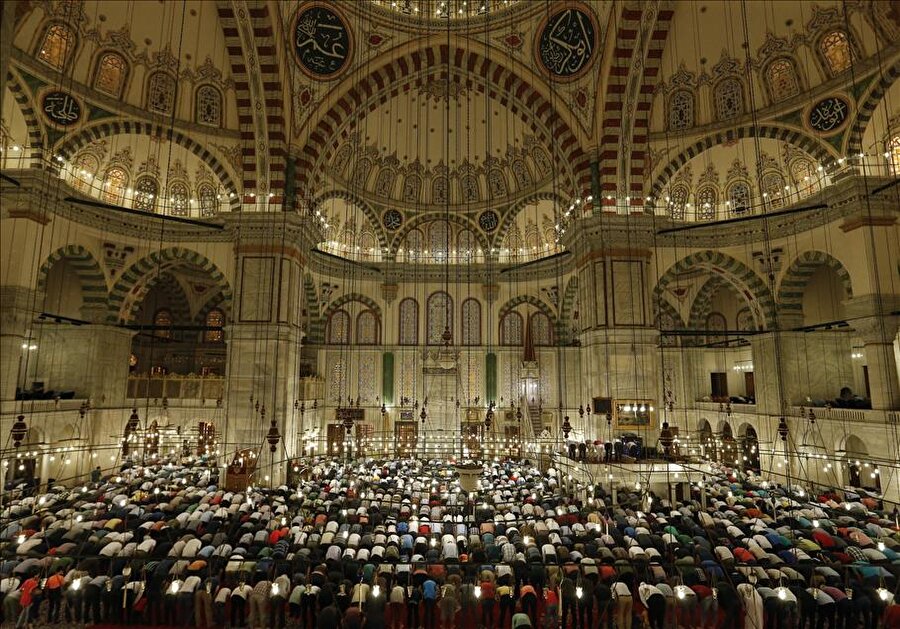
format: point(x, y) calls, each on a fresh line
point(566, 42)
point(323, 42)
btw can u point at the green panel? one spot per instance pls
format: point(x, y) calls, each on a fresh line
point(34, 83)
point(490, 377)
point(96, 113)
point(387, 378)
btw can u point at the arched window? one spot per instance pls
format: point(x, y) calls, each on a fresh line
point(145, 192)
point(511, 329)
point(409, 322)
point(439, 309)
point(439, 241)
point(57, 45)
point(162, 322)
point(677, 202)
point(84, 170)
point(161, 93)
point(209, 106)
point(368, 244)
point(384, 182)
point(415, 244)
point(338, 385)
point(893, 151)
point(341, 159)
point(209, 204)
point(471, 322)
point(836, 51)
point(541, 161)
point(729, 97)
point(412, 186)
point(803, 173)
point(367, 328)
point(215, 321)
point(681, 110)
point(439, 190)
point(541, 329)
point(466, 246)
point(179, 200)
point(111, 72)
point(338, 328)
point(115, 184)
point(469, 186)
point(496, 183)
point(715, 322)
point(739, 198)
point(782, 79)
point(361, 174)
point(773, 189)
point(707, 199)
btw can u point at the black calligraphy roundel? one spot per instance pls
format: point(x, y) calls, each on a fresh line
point(322, 41)
point(566, 43)
point(488, 221)
point(392, 220)
point(829, 114)
point(61, 108)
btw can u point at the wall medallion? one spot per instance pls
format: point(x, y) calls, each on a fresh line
point(392, 220)
point(488, 221)
point(829, 115)
point(566, 43)
point(323, 41)
point(61, 108)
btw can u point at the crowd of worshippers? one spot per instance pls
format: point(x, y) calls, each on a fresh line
point(400, 544)
point(627, 447)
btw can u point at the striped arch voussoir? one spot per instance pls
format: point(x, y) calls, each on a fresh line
point(702, 305)
point(421, 220)
point(796, 278)
point(747, 283)
point(815, 148)
point(84, 264)
point(72, 144)
point(866, 107)
point(365, 208)
point(509, 217)
point(221, 301)
point(37, 137)
point(527, 299)
point(133, 284)
point(176, 299)
point(345, 299)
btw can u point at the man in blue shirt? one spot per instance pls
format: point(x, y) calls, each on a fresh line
point(429, 595)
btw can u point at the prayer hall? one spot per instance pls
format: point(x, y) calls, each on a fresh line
point(439, 314)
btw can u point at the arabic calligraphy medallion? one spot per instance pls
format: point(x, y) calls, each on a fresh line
point(488, 221)
point(565, 45)
point(322, 41)
point(829, 114)
point(392, 220)
point(61, 108)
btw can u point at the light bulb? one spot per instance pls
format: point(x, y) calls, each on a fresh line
point(883, 594)
point(782, 593)
point(275, 589)
point(174, 587)
point(76, 584)
point(477, 591)
point(579, 591)
point(881, 546)
point(815, 524)
point(679, 591)
point(376, 590)
point(21, 539)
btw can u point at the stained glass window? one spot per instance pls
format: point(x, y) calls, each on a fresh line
point(409, 322)
point(471, 322)
point(86, 167)
point(471, 378)
point(520, 172)
point(439, 190)
point(835, 48)
point(145, 193)
point(179, 201)
point(439, 241)
point(341, 159)
point(384, 182)
point(367, 328)
point(804, 176)
point(894, 154)
point(411, 187)
point(782, 79)
point(729, 98)
point(407, 381)
point(541, 160)
point(111, 71)
point(440, 316)
point(161, 93)
point(681, 110)
point(541, 329)
point(338, 390)
point(467, 246)
point(209, 106)
point(58, 44)
point(745, 320)
point(497, 183)
point(162, 321)
point(469, 185)
point(209, 204)
point(773, 188)
point(511, 329)
point(707, 199)
point(368, 244)
point(339, 328)
point(739, 198)
point(215, 319)
point(361, 174)
point(677, 202)
point(365, 383)
point(715, 322)
point(114, 186)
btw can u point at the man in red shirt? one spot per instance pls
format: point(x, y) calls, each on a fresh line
point(551, 602)
point(488, 595)
point(30, 601)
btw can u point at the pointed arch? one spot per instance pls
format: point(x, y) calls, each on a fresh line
point(530, 300)
point(316, 325)
point(743, 279)
point(867, 105)
point(566, 311)
point(796, 277)
point(93, 281)
point(37, 134)
point(128, 292)
point(357, 202)
point(348, 297)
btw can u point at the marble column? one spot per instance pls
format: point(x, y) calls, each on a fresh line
point(879, 337)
